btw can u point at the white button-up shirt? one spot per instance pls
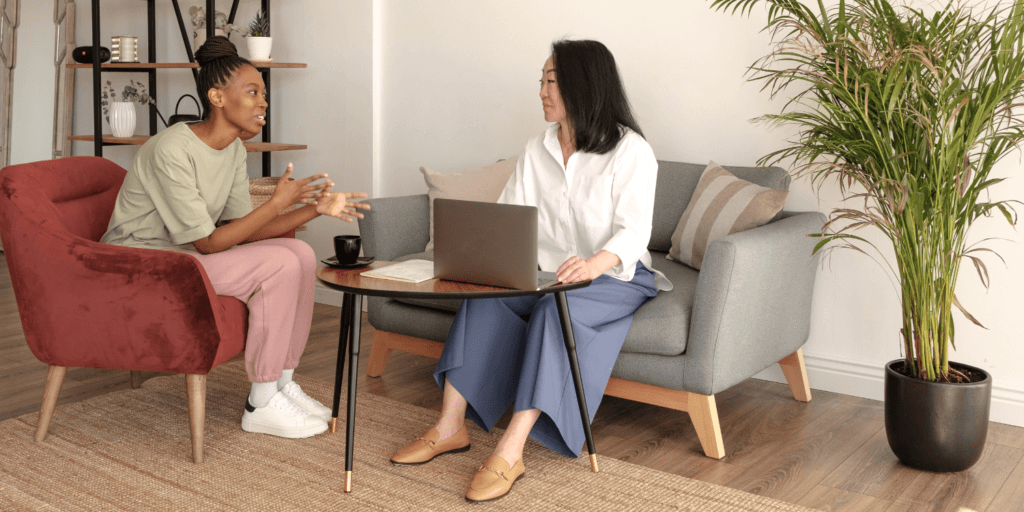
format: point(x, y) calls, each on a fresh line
point(592, 203)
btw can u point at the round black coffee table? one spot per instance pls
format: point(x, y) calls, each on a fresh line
point(356, 286)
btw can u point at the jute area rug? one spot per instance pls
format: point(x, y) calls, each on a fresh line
point(131, 450)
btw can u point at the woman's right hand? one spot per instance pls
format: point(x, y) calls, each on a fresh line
point(289, 191)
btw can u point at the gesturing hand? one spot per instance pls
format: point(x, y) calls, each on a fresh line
point(289, 191)
point(574, 270)
point(336, 204)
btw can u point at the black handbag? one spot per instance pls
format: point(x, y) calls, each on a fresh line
point(188, 118)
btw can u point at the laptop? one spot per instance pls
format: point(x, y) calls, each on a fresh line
point(488, 243)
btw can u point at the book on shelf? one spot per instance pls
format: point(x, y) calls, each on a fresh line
point(409, 271)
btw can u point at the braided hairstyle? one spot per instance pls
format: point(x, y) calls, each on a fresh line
point(218, 60)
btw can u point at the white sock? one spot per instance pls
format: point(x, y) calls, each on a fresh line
point(261, 393)
point(286, 377)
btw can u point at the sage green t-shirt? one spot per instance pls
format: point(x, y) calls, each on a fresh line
point(177, 189)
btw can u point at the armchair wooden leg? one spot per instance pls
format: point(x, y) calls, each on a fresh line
point(136, 379)
point(195, 386)
point(704, 415)
point(54, 378)
point(796, 375)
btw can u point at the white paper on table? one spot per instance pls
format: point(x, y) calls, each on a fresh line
point(411, 271)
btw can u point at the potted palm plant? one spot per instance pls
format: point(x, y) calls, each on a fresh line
point(909, 109)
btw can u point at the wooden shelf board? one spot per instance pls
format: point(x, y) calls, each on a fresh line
point(138, 140)
point(162, 65)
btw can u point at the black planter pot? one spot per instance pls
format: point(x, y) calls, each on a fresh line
point(936, 426)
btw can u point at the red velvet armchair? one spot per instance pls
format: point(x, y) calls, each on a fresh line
point(87, 304)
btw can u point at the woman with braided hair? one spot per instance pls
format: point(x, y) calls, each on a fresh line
point(188, 191)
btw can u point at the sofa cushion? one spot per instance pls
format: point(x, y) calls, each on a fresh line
point(721, 205)
point(676, 183)
point(667, 312)
point(483, 184)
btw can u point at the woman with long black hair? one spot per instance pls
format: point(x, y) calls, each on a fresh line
point(591, 175)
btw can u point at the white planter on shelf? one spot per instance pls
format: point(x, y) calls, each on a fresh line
point(122, 118)
point(259, 47)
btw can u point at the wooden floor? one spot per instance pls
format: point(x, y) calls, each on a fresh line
point(829, 454)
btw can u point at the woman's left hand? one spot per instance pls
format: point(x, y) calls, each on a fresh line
point(337, 204)
point(574, 270)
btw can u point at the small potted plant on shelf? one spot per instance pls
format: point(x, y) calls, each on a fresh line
point(120, 113)
point(909, 109)
point(257, 37)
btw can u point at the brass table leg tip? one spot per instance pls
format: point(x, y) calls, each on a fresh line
point(593, 462)
point(348, 481)
point(334, 425)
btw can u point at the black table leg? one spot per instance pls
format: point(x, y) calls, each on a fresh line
point(570, 348)
point(356, 308)
point(346, 323)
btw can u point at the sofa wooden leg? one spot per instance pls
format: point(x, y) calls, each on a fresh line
point(195, 387)
point(384, 342)
point(136, 379)
point(54, 379)
point(702, 409)
point(796, 375)
point(379, 354)
point(704, 415)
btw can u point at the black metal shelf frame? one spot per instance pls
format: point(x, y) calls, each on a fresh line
point(211, 21)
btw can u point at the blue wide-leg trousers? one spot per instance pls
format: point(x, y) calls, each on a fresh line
point(506, 350)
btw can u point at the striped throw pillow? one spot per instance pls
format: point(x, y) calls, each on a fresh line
point(721, 205)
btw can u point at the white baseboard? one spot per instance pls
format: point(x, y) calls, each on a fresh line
point(330, 296)
point(867, 380)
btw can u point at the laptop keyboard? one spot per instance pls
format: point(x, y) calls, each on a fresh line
point(543, 281)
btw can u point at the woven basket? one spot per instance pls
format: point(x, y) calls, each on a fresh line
point(262, 188)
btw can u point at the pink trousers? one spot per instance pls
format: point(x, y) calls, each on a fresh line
point(275, 277)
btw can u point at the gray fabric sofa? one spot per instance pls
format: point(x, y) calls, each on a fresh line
point(747, 308)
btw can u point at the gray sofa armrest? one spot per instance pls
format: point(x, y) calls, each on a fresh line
point(395, 226)
point(753, 302)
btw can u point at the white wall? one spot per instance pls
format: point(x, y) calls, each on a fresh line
point(460, 90)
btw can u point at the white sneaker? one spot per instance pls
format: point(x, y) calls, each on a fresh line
point(307, 403)
point(281, 417)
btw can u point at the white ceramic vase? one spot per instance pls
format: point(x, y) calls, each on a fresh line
point(122, 118)
point(259, 47)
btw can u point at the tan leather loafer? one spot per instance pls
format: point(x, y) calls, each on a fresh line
point(494, 479)
point(426, 447)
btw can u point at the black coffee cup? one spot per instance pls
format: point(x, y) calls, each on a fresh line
point(346, 249)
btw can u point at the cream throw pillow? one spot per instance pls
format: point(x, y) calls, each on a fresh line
point(483, 184)
point(721, 205)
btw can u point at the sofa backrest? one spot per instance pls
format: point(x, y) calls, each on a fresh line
point(676, 183)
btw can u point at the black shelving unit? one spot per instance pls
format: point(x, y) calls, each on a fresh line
point(97, 68)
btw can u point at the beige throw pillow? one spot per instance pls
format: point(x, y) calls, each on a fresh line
point(483, 184)
point(721, 205)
